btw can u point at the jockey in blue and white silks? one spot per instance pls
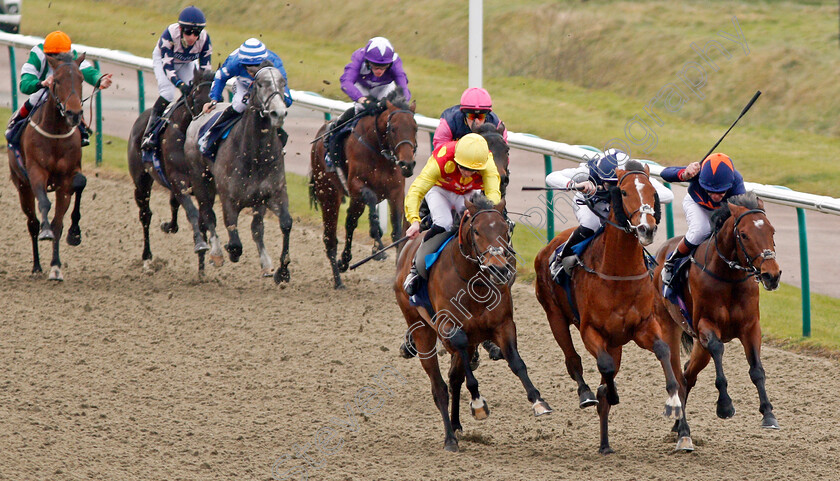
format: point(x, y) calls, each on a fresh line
point(710, 184)
point(182, 47)
point(242, 64)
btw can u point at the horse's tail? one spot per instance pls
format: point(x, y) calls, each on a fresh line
point(687, 342)
point(313, 199)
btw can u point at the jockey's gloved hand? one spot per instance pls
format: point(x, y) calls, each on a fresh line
point(183, 87)
point(369, 105)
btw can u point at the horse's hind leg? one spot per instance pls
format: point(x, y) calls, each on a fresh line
point(27, 204)
point(74, 234)
point(257, 231)
point(200, 245)
point(282, 212)
point(142, 192)
point(752, 349)
point(506, 339)
point(354, 211)
point(370, 199)
point(171, 227)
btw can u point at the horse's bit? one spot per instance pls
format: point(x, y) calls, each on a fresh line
point(505, 251)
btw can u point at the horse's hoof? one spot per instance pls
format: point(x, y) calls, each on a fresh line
point(684, 444)
point(405, 352)
point(235, 252)
point(148, 269)
point(381, 256)
point(541, 407)
point(200, 247)
point(479, 409)
point(605, 450)
point(46, 235)
point(725, 412)
point(282, 275)
point(673, 407)
point(770, 422)
point(451, 446)
point(342, 265)
point(266, 272)
point(493, 350)
point(217, 260)
point(339, 286)
point(55, 274)
point(169, 227)
point(74, 237)
point(613, 399)
point(587, 399)
point(475, 361)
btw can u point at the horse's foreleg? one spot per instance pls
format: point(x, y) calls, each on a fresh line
point(205, 194)
point(370, 199)
point(752, 349)
point(200, 245)
point(396, 212)
point(44, 206)
point(506, 339)
point(282, 211)
point(62, 204)
point(74, 234)
point(461, 344)
point(354, 211)
point(608, 361)
point(257, 231)
point(456, 380)
point(142, 192)
point(27, 204)
point(426, 338)
point(649, 337)
point(171, 227)
point(231, 217)
point(725, 409)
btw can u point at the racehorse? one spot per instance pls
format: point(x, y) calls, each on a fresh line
point(478, 267)
point(612, 295)
point(500, 150)
point(723, 303)
point(178, 175)
point(50, 159)
point(249, 171)
point(380, 156)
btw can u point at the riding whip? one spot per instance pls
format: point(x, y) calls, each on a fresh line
point(744, 111)
point(380, 251)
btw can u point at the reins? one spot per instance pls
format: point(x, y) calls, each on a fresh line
point(751, 270)
point(385, 149)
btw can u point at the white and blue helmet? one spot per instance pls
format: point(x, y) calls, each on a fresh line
point(603, 166)
point(252, 52)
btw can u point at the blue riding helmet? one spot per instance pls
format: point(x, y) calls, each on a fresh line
point(717, 174)
point(252, 52)
point(192, 17)
point(602, 167)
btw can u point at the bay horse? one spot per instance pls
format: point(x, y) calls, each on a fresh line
point(249, 171)
point(723, 303)
point(51, 160)
point(380, 156)
point(614, 296)
point(478, 267)
point(178, 175)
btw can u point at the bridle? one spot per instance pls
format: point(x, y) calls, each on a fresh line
point(263, 104)
point(750, 270)
point(643, 209)
point(386, 150)
point(190, 102)
point(59, 104)
point(505, 251)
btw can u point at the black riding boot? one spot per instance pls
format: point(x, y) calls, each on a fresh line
point(227, 114)
point(160, 105)
point(332, 145)
point(669, 266)
point(412, 280)
point(22, 112)
point(566, 260)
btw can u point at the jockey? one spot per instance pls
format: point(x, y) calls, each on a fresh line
point(374, 71)
point(182, 46)
point(592, 180)
point(475, 109)
point(717, 181)
point(36, 77)
point(243, 64)
point(454, 171)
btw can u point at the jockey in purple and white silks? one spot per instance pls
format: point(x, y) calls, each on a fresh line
point(242, 64)
point(592, 201)
point(182, 47)
point(710, 184)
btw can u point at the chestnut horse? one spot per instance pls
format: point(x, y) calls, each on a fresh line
point(613, 293)
point(723, 303)
point(380, 156)
point(50, 159)
point(478, 268)
point(179, 174)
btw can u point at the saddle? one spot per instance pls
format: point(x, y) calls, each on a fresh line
point(16, 130)
point(335, 145)
point(431, 250)
point(210, 135)
point(154, 154)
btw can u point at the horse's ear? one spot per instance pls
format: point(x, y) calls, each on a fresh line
point(760, 203)
point(735, 209)
point(501, 128)
point(413, 106)
point(500, 206)
point(647, 170)
point(619, 173)
point(469, 205)
point(80, 59)
point(52, 61)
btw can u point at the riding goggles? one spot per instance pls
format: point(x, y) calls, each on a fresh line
point(195, 31)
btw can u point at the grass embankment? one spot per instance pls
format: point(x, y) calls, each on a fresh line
point(563, 70)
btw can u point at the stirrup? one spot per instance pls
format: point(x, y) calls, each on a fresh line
point(411, 280)
point(667, 273)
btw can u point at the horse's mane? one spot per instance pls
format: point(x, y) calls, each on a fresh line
point(486, 128)
point(634, 166)
point(482, 202)
point(397, 97)
point(64, 57)
point(719, 216)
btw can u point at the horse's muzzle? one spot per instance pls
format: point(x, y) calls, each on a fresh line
point(498, 274)
point(276, 118)
point(645, 234)
point(770, 281)
point(73, 117)
point(406, 168)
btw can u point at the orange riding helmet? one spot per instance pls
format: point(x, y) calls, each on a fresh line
point(57, 42)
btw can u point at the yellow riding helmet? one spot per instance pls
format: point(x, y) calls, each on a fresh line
point(57, 42)
point(472, 152)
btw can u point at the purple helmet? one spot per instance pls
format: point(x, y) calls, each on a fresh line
point(379, 50)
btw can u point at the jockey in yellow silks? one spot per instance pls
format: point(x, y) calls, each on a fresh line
point(454, 171)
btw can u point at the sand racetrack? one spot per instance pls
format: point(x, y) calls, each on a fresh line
point(115, 374)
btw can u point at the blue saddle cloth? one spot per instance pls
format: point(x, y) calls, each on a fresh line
point(421, 297)
point(215, 133)
point(674, 292)
point(16, 131)
point(153, 156)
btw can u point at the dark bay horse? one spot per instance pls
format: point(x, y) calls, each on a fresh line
point(723, 302)
point(471, 302)
point(51, 160)
point(179, 174)
point(614, 296)
point(380, 156)
point(249, 171)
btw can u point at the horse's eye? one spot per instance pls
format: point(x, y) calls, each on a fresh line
point(624, 193)
point(745, 236)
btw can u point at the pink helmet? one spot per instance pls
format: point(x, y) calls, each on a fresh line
point(476, 98)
